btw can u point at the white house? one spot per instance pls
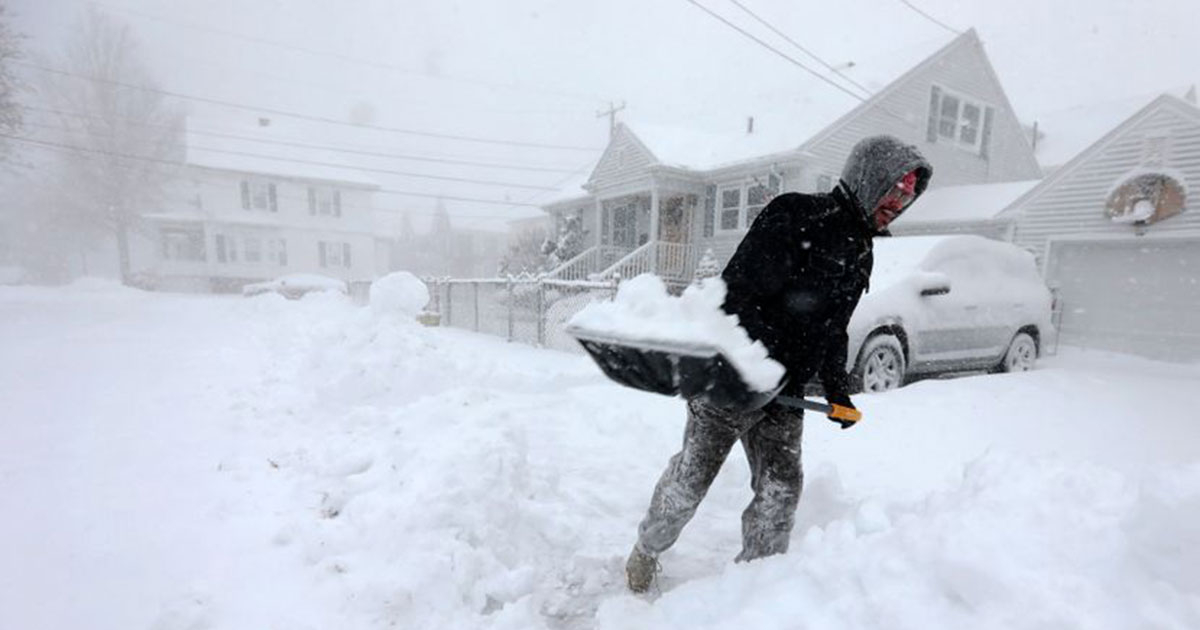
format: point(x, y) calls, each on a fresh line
point(1115, 237)
point(236, 216)
point(660, 197)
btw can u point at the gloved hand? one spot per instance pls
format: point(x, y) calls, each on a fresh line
point(841, 399)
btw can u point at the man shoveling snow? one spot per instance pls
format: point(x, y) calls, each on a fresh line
point(793, 284)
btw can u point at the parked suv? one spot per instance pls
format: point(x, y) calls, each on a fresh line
point(941, 304)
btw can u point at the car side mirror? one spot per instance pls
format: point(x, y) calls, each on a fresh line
point(933, 283)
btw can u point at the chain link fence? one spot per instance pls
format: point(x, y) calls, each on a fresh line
point(528, 310)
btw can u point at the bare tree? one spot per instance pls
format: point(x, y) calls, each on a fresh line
point(526, 253)
point(10, 113)
point(124, 138)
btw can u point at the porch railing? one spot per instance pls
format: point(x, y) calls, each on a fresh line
point(588, 263)
point(671, 261)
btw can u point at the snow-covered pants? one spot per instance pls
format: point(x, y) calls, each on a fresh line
point(771, 437)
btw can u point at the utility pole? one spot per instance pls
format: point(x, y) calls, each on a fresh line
point(611, 112)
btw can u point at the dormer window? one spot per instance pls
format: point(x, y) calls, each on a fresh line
point(959, 120)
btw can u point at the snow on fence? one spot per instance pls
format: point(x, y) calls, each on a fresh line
point(526, 309)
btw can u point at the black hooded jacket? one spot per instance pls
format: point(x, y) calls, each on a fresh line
point(801, 269)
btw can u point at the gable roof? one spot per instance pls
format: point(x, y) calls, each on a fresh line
point(792, 113)
point(1163, 101)
point(1064, 133)
point(972, 202)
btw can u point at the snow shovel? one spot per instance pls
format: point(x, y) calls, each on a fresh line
point(691, 371)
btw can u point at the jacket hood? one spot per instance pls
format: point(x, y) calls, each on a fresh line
point(876, 164)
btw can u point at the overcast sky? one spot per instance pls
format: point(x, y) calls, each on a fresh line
point(538, 71)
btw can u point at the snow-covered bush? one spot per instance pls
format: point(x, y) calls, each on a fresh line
point(400, 294)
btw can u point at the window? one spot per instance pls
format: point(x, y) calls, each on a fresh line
point(325, 202)
point(259, 195)
point(757, 196)
point(185, 244)
point(221, 255)
point(731, 207)
point(740, 204)
point(334, 254)
point(958, 120)
point(253, 249)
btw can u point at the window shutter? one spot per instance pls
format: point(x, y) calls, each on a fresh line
point(220, 248)
point(935, 101)
point(245, 195)
point(321, 252)
point(988, 114)
point(346, 255)
point(312, 201)
point(710, 210)
point(337, 203)
point(271, 197)
point(282, 252)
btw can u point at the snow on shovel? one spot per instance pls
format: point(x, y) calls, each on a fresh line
point(686, 346)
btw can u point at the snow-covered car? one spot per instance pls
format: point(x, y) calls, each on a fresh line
point(940, 304)
point(296, 285)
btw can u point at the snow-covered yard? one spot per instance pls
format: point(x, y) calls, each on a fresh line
point(191, 462)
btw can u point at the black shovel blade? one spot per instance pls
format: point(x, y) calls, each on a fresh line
point(690, 371)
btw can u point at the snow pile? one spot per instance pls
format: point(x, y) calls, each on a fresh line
point(401, 294)
point(1019, 543)
point(317, 466)
point(643, 311)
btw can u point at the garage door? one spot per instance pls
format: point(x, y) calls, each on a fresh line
point(1140, 297)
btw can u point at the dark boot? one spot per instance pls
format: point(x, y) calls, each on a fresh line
point(640, 570)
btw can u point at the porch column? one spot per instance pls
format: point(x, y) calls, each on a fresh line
point(653, 213)
point(599, 223)
point(654, 200)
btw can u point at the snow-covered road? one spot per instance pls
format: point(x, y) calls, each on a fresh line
point(180, 463)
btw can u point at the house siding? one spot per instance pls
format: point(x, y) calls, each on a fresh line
point(625, 159)
point(214, 205)
point(1072, 205)
point(903, 112)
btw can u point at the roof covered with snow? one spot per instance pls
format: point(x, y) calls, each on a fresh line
point(972, 202)
point(1065, 133)
point(790, 112)
point(257, 150)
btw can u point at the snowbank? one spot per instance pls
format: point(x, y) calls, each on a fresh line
point(643, 311)
point(315, 465)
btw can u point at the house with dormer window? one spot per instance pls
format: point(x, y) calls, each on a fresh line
point(661, 196)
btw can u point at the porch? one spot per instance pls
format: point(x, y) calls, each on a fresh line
point(639, 233)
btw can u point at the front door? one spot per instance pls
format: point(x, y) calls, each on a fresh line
point(675, 218)
point(624, 226)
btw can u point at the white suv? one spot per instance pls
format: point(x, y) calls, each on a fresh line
point(942, 304)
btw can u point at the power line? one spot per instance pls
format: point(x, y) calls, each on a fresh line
point(929, 17)
point(806, 51)
point(305, 145)
point(465, 180)
point(344, 58)
point(300, 116)
point(775, 50)
point(144, 158)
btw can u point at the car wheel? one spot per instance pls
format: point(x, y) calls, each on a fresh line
point(881, 364)
point(1021, 355)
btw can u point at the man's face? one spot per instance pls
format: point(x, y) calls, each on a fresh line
point(896, 200)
